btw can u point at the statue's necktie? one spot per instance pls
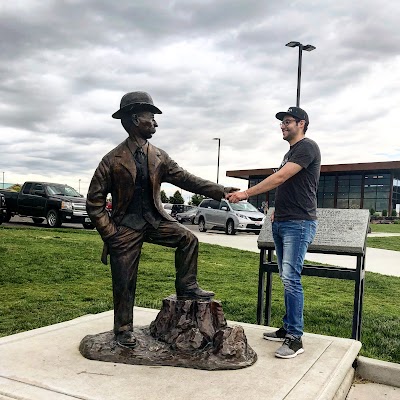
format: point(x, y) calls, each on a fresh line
point(140, 156)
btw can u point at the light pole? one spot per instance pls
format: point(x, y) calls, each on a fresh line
point(79, 188)
point(307, 47)
point(219, 149)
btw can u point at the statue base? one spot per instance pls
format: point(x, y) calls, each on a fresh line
point(185, 333)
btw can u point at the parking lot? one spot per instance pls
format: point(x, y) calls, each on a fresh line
point(18, 221)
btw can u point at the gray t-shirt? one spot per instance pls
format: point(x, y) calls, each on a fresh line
point(297, 197)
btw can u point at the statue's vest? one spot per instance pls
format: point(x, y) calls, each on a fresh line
point(141, 209)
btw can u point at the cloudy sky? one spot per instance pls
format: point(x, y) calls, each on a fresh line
point(215, 68)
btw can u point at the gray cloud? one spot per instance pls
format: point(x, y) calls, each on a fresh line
point(216, 69)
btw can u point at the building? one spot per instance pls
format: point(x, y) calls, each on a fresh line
point(373, 185)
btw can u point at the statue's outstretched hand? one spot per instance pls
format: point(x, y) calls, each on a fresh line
point(230, 189)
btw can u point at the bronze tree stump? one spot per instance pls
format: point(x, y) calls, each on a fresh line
point(185, 333)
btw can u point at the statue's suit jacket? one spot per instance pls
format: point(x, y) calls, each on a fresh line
point(116, 174)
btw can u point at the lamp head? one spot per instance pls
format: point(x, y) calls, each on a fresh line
point(293, 44)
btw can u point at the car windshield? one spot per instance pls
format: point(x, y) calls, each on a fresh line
point(63, 190)
point(242, 206)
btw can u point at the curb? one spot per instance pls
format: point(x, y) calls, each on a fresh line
point(378, 371)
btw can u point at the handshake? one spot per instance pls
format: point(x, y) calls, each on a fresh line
point(233, 194)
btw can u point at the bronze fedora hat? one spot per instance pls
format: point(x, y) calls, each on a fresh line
point(136, 101)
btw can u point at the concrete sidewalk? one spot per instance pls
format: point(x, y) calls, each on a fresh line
point(381, 261)
point(45, 364)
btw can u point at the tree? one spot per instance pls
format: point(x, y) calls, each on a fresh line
point(176, 198)
point(16, 187)
point(164, 197)
point(196, 199)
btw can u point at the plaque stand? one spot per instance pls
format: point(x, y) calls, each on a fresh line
point(340, 231)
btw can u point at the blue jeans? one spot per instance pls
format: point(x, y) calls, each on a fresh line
point(292, 239)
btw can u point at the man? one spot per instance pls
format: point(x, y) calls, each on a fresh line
point(132, 173)
point(294, 222)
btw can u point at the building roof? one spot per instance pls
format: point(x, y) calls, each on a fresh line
point(381, 167)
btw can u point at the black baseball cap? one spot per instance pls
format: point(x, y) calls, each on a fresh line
point(296, 112)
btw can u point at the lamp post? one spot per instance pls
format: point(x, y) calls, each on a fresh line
point(307, 47)
point(219, 148)
point(79, 187)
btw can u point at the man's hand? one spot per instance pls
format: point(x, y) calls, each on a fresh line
point(272, 217)
point(236, 196)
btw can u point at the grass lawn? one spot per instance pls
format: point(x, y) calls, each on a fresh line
point(387, 228)
point(388, 242)
point(53, 275)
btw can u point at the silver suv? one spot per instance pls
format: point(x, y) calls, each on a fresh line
point(231, 217)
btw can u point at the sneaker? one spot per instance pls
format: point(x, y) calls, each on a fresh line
point(277, 336)
point(290, 348)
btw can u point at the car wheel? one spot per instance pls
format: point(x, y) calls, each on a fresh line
point(53, 219)
point(202, 225)
point(7, 217)
point(37, 220)
point(230, 228)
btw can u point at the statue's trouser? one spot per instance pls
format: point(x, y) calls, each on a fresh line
point(125, 247)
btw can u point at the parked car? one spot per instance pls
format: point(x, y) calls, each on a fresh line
point(179, 208)
point(55, 202)
point(187, 216)
point(3, 208)
point(167, 207)
point(231, 217)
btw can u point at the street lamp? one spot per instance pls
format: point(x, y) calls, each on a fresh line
point(219, 148)
point(307, 47)
point(79, 188)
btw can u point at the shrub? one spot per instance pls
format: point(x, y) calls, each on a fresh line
point(384, 213)
point(394, 213)
point(371, 211)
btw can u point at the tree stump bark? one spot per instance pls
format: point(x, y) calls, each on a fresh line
point(185, 333)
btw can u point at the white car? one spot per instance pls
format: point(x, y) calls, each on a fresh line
point(167, 207)
point(231, 217)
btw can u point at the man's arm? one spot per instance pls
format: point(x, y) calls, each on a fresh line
point(286, 172)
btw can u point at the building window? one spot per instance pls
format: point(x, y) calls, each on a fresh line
point(377, 191)
point(259, 200)
point(326, 191)
point(349, 191)
point(396, 194)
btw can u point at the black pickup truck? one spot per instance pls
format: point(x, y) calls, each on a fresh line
point(3, 208)
point(55, 202)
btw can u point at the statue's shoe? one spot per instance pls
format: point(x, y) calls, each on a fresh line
point(126, 339)
point(196, 293)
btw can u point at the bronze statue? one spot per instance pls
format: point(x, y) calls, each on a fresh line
point(133, 173)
